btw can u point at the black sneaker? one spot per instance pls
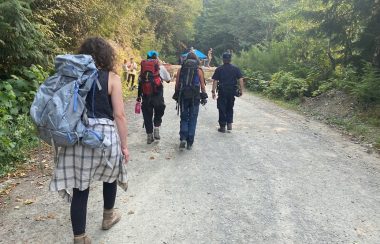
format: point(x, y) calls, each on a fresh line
point(189, 146)
point(229, 126)
point(182, 145)
point(222, 129)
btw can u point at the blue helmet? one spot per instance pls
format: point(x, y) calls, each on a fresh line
point(152, 53)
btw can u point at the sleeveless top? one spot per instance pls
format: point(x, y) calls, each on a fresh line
point(98, 103)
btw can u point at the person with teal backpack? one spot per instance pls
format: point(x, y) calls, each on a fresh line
point(189, 83)
point(80, 109)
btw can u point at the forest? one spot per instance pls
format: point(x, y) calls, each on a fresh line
point(288, 49)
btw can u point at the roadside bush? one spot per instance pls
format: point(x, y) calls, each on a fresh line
point(256, 80)
point(285, 85)
point(367, 89)
point(16, 127)
point(266, 58)
point(363, 84)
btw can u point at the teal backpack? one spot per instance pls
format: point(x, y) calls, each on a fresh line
point(59, 107)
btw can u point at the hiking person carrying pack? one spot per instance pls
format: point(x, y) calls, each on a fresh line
point(150, 91)
point(85, 95)
point(225, 82)
point(190, 81)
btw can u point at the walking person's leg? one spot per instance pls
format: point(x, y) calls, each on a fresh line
point(129, 79)
point(230, 111)
point(184, 124)
point(110, 215)
point(193, 111)
point(147, 111)
point(133, 80)
point(78, 213)
point(222, 107)
point(159, 110)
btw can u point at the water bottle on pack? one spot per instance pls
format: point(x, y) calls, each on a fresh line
point(138, 107)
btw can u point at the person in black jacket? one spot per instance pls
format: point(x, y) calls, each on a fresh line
point(228, 82)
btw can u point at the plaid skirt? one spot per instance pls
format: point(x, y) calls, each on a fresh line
point(78, 166)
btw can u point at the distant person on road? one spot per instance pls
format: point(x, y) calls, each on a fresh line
point(228, 82)
point(125, 70)
point(77, 166)
point(190, 82)
point(209, 57)
point(150, 91)
point(132, 71)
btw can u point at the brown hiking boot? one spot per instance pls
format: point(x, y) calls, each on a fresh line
point(110, 218)
point(82, 239)
point(229, 126)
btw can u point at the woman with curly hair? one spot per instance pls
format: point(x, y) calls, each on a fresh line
point(78, 166)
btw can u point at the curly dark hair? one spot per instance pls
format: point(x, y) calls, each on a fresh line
point(101, 51)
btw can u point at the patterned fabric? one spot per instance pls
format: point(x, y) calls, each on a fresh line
point(78, 166)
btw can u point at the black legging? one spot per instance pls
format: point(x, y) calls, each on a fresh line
point(78, 209)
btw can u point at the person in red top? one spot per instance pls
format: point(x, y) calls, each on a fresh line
point(150, 92)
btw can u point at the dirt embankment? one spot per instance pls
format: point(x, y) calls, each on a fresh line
point(342, 111)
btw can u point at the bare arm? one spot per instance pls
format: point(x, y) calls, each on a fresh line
point(114, 89)
point(177, 80)
point(241, 82)
point(213, 90)
point(202, 80)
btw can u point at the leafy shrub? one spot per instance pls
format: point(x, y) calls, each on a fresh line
point(367, 89)
point(285, 85)
point(256, 80)
point(267, 58)
point(16, 133)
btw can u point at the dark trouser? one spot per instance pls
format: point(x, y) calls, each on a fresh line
point(125, 75)
point(153, 105)
point(225, 105)
point(189, 115)
point(78, 209)
point(131, 76)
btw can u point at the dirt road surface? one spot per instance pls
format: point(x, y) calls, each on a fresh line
point(277, 178)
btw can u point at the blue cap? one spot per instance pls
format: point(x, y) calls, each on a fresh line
point(227, 56)
point(151, 53)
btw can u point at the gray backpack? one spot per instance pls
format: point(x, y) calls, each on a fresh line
point(59, 107)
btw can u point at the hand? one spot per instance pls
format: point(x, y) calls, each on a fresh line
point(176, 95)
point(138, 99)
point(213, 95)
point(203, 101)
point(125, 154)
point(203, 95)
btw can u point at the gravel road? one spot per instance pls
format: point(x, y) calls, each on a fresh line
point(277, 178)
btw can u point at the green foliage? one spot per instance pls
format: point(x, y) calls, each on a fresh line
point(285, 85)
point(22, 41)
point(173, 23)
point(367, 89)
point(267, 58)
point(16, 95)
point(255, 80)
point(235, 25)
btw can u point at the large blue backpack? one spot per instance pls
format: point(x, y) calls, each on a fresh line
point(59, 107)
